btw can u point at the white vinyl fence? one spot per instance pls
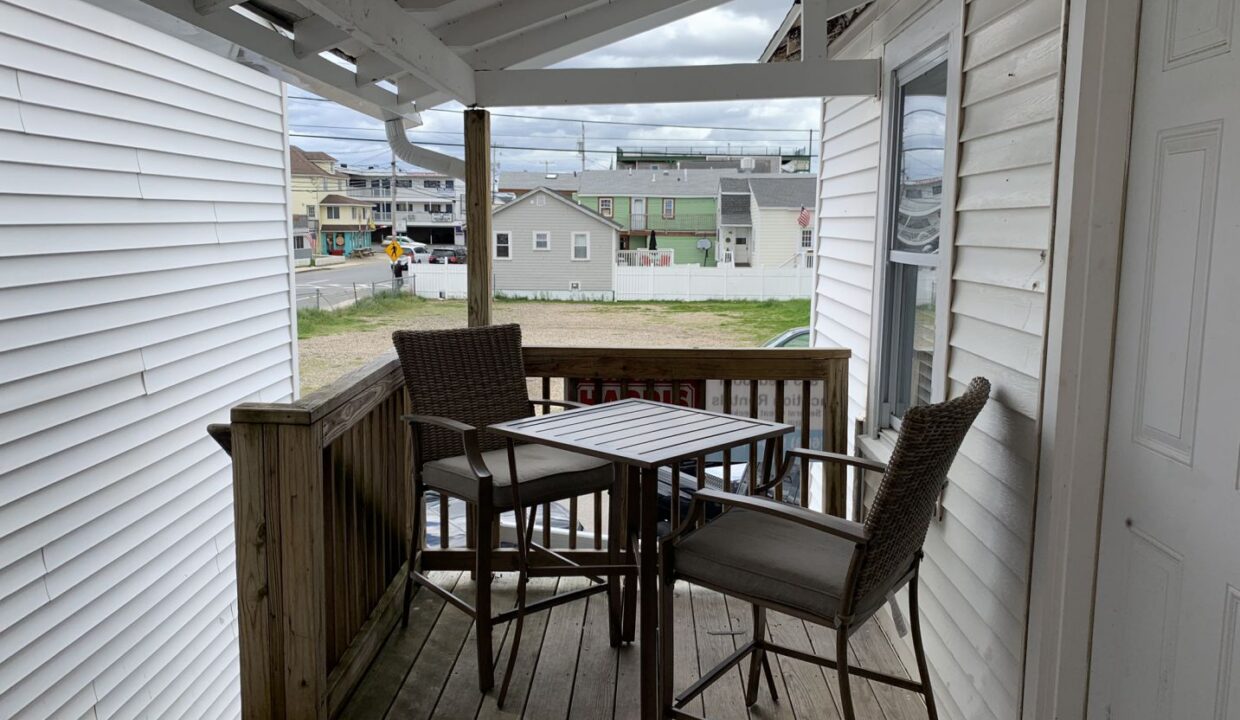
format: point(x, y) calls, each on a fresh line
point(677, 282)
point(693, 282)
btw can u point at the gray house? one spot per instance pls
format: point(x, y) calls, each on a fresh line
point(546, 245)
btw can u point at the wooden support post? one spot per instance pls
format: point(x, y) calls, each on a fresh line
point(478, 215)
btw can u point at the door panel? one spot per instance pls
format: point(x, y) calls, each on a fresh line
point(1165, 640)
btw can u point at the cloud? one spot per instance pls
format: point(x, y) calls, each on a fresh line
point(736, 32)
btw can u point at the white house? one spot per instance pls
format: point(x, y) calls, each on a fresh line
point(145, 288)
point(545, 245)
point(765, 221)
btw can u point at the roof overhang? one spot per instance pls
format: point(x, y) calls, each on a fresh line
point(391, 58)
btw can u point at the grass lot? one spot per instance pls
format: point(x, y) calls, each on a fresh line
point(334, 342)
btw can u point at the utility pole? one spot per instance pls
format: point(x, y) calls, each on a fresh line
point(392, 209)
point(581, 147)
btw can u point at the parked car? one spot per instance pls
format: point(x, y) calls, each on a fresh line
point(402, 239)
point(794, 338)
point(454, 255)
point(417, 253)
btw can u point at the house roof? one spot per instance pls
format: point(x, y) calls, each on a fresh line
point(734, 209)
point(520, 180)
point(655, 183)
point(334, 199)
point(785, 192)
point(734, 185)
point(551, 193)
point(302, 162)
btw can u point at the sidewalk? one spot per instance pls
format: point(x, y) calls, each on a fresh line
point(326, 261)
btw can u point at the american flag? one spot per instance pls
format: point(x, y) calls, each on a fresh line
point(804, 218)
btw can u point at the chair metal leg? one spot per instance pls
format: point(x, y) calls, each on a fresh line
point(482, 602)
point(667, 644)
point(919, 651)
point(841, 672)
point(415, 548)
point(523, 580)
point(758, 658)
point(614, 535)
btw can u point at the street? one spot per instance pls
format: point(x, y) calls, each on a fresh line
point(334, 285)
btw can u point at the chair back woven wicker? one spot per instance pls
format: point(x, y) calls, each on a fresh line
point(473, 375)
point(897, 522)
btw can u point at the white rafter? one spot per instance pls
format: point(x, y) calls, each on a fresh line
point(392, 32)
point(492, 23)
point(207, 7)
point(273, 53)
point(690, 83)
point(314, 35)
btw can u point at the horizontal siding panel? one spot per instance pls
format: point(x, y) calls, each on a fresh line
point(851, 274)
point(26, 55)
point(1001, 701)
point(27, 211)
point(1008, 307)
point(1031, 20)
point(859, 253)
point(10, 115)
point(863, 158)
point(861, 181)
point(863, 112)
point(255, 348)
point(1024, 106)
point(67, 352)
point(981, 12)
point(1019, 392)
point(151, 162)
point(43, 387)
point(1019, 188)
point(854, 138)
point(860, 229)
point(851, 206)
point(159, 354)
point(77, 125)
point(1022, 228)
point(19, 147)
point(834, 107)
point(1027, 64)
point(1028, 146)
point(17, 179)
point(1004, 545)
point(125, 43)
point(1018, 350)
point(1009, 628)
point(1016, 269)
point(159, 187)
point(1016, 431)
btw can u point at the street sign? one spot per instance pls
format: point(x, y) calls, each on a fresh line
point(394, 251)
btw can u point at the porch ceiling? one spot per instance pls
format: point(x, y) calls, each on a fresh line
point(391, 58)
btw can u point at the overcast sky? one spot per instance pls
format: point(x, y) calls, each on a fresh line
point(734, 32)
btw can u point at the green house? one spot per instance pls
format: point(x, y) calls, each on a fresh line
point(678, 207)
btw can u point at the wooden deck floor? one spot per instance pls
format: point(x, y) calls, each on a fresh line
point(566, 668)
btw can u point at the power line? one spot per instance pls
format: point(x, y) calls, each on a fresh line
point(342, 138)
point(597, 122)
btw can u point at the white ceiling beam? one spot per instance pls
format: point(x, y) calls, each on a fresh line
point(387, 29)
point(267, 51)
point(492, 23)
point(423, 4)
point(206, 7)
point(313, 35)
point(373, 67)
point(690, 83)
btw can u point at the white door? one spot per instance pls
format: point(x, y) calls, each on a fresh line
point(1166, 640)
point(637, 221)
point(740, 255)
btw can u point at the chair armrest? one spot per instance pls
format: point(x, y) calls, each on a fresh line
point(469, 439)
point(842, 459)
point(543, 402)
point(839, 527)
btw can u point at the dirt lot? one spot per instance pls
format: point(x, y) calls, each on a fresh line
point(330, 352)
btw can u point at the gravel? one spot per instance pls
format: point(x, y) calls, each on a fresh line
point(325, 358)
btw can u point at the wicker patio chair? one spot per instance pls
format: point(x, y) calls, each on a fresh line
point(459, 383)
point(819, 567)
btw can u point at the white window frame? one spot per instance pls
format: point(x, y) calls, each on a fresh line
point(495, 245)
point(610, 210)
point(938, 39)
point(534, 241)
point(807, 234)
point(572, 246)
point(669, 215)
point(333, 212)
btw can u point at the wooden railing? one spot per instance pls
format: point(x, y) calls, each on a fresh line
point(323, 510)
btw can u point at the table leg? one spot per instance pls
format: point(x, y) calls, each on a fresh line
point(632, 522)
point(649, 596)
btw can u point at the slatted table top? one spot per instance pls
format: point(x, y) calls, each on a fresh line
point(642, 433)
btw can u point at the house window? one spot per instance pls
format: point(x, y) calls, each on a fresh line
point(912, 236)
point(312, 211)
point(807, 239)
point(503, 246)
point(449, 184)
point(333, 212)
point(669, 208)
point(605, 207)
point(542, 240)
point(540, 200)
point(581, 246)
point(430, 183)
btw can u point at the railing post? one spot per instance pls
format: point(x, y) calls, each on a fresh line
point(278, 496)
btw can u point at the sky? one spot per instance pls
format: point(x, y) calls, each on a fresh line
point(735, 32)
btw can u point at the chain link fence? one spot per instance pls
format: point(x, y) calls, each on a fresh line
point(334, 297)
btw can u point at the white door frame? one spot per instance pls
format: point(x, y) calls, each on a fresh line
point(1098, 76)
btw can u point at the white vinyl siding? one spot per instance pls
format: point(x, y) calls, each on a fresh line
point(976, 571)
point(532, 271)
point(144, 290)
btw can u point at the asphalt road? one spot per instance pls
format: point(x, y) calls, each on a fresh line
point(335, 285)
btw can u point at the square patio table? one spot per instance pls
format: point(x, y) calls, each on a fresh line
point(645, 434)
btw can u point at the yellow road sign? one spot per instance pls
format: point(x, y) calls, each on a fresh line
point(394, 251)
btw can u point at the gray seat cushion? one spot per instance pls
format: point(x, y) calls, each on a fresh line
point(767, 558)
point(544, 474)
